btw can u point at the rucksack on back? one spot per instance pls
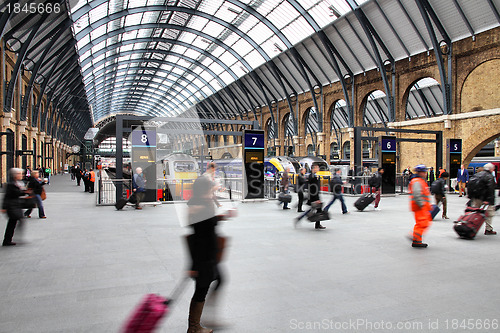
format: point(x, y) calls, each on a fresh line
point(475, 187)
point(436, 187)
point(372, 181)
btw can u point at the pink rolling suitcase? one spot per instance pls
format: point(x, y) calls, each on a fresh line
point(147, 315)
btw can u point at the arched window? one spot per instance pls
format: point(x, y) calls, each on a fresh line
point(366, 149)
point(312, 122)
point(289, 134)
point(24, 146)
point(270, 133)
point(376, 110)
point(346, 151)
point(334, 150)
point(425, 99)
point(310, 150)
point(10, 148)
point(34, 155)
point(339, 117)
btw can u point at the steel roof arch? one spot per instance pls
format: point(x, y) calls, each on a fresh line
point(194, 12)
point(148, 91)
point(104, 87)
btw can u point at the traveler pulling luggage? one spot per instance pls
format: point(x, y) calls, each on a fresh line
point(469, 224)
point(364, 201)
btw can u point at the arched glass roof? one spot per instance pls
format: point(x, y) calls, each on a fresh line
point(166, 56)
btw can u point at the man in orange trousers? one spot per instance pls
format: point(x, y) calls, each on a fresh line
point(420, 197)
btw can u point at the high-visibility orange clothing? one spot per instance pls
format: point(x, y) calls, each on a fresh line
point(424, 194)
point(92, 176)
point(423, 218)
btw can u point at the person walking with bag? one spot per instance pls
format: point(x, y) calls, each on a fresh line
point(13, 204)
point(203, 248)
point(284, 186)
point(481, 191)
point(420, 204)
point(314, 187)
point(336, 184)
point(301, 183)
point(375, 183)
point(439, 191)
point(138, 187)
point(35, 185)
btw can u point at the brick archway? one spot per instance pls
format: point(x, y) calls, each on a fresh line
point(480, 88)
point(480, 138)
point(406, 94)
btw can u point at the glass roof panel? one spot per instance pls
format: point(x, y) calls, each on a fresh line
point(98, 13)
point(282, 15)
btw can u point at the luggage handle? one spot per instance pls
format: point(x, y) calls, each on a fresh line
point(176, 293)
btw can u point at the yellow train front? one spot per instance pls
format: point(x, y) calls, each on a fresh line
point(179, 173)
point(277, 165)
point(324, 170)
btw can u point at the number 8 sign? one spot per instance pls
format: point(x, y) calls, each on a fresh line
point(143, 137)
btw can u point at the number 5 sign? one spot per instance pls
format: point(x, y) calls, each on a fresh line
point(455, 145)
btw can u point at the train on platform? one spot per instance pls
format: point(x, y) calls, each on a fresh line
point(478, 162)
point(176, 173)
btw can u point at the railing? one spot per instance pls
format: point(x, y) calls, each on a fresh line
point(181, 189)
point(359, 184)
point(271, 187)
point(106, 190)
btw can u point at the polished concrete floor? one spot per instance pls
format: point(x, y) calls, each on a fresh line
point(85, 268)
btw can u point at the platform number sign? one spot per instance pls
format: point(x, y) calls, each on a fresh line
point(455, 146)
point(253, 164)
point(254, 140)
point(143, 138)
point(389, 144)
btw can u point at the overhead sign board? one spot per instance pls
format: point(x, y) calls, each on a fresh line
point(388, 144)
point(455, 146)
point(142, 137)
point(254, 139)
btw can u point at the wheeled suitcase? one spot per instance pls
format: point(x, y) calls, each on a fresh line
point(364, 201)
point(469, 224)
point(434, 211)
point(120, 203)
point(147, 315)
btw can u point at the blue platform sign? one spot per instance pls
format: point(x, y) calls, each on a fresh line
point(455, 145)
point(388, 144)
point(254, 140)
point(143, 138)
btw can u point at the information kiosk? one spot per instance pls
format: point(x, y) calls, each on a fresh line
point(144, 156)
point(253, 164)
point(387, 161)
